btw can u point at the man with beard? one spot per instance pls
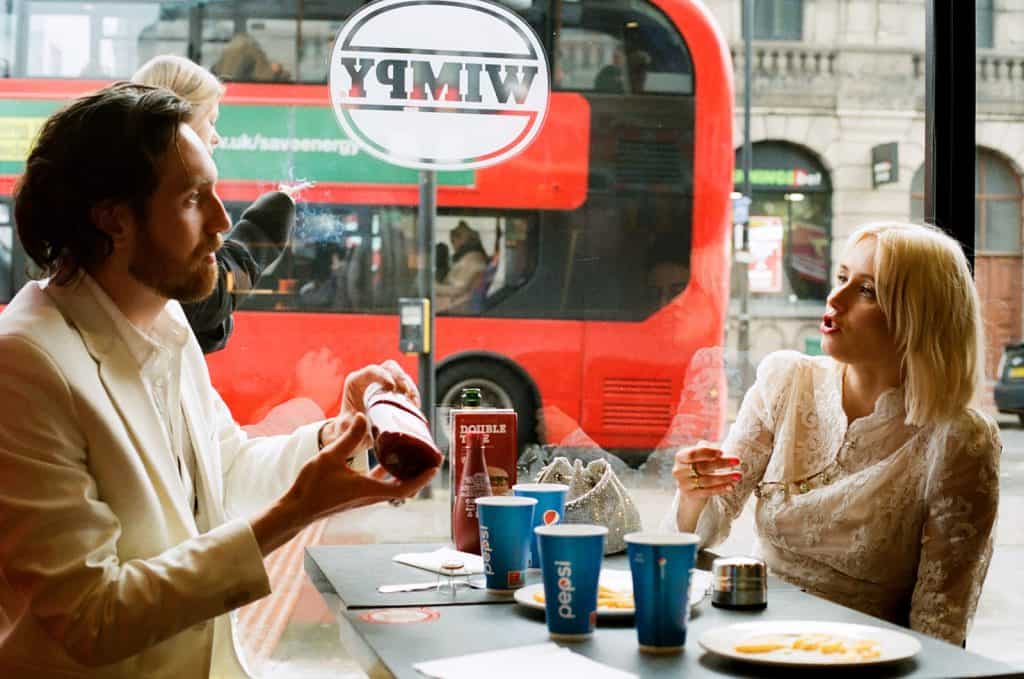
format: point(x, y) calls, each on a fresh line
point(134, 513)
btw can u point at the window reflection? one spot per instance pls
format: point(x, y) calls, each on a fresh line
point(6, 253)
point(619, 48)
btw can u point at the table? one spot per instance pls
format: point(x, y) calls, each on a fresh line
point(390, 650)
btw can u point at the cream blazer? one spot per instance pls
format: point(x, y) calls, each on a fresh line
point(103, 572)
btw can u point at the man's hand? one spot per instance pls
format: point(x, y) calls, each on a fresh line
point(326, 485)
point(389, 375)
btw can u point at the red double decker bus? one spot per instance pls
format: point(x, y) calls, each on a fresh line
point(603, 298)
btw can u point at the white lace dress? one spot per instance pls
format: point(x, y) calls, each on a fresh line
point(890, 519)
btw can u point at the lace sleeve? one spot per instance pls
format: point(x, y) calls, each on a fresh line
point(956, 539)
point(751, 439)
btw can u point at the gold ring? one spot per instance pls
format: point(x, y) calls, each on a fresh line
point(697, 482)
point(694, 474)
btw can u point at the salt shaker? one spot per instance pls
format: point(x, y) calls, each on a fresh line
point(739, 582)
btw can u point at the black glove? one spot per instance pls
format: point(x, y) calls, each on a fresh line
point(257, 241)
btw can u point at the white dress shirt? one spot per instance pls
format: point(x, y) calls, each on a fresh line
point(158, 354)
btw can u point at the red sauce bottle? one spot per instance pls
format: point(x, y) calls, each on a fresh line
point(401, 435)
point(475, 483)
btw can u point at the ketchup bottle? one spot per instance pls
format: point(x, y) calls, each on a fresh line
point(401, 435)
point(475, 483)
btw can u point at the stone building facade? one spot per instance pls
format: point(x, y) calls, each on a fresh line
point(832, 80)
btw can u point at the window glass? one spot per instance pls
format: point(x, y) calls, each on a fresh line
point(6, 252)
point(251, 41)
point(363, 259)
point(100, 40)
point(997, 213)
point(1000, 180)
point(917, 196)
point(984, 18)
point(790, 224)
point(997, 201)
point(619, 47)
point(778, 19)
point(1002, 226)
point(6, 40)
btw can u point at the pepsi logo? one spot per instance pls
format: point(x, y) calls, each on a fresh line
point(563, 569)
point(550, 517)
point(445, 85)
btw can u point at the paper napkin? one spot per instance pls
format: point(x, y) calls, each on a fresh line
point(431, 561)
point(538, 661)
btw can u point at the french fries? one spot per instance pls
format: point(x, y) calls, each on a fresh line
point(838, 647)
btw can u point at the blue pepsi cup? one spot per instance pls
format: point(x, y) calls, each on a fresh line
point(570, 563)
point(505, 525)
point(549, 511)
point(661, 565)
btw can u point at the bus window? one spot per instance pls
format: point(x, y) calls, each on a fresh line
point(99, 40)
point(618, 48)
point(6, 253)
point(490, 256)
point(7, 41)
point(363, 259)
point(271, 40)
point(251, 41)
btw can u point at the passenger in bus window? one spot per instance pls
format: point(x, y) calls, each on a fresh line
point(441, 261)
point(136, 512)
point(469, 260)
point(876, 476)
point(260, 236)
point(328, 287)
point(625, 73)
point(667, 279)
point(244, 60)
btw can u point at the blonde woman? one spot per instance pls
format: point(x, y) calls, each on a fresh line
point(268, 221)
point(876, 479)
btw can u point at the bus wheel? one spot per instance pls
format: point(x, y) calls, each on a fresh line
point(499, 387)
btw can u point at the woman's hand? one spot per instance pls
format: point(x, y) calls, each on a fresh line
point(698, 472)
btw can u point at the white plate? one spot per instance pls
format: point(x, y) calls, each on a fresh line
point(622, 581)
point(723, 640)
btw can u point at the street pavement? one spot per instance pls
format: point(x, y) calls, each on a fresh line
point(309, 647)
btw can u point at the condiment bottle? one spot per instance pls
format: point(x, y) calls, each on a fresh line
point(401, 435)
point(475, 483)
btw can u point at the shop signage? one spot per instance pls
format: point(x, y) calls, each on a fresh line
point(885, 164)
point(765, 267)
point(780, 178)
point(445, 85)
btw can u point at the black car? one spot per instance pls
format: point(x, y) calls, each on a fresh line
point(1009, 391)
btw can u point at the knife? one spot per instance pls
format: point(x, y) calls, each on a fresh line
point(419, 586)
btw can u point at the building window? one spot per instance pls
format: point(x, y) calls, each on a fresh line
point(984, 19)
point(997, 219)
point(778, 19)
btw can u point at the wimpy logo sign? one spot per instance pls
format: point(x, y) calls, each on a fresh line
point(410, 81)
point(439, 84)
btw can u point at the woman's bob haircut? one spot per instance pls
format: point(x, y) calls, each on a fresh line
point(927, 293)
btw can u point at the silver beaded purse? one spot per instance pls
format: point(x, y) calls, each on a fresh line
point(596, 495)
